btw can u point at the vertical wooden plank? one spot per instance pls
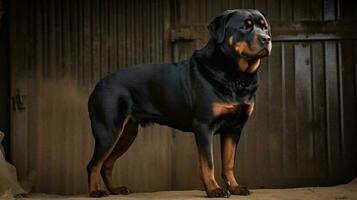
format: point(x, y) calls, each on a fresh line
point(290, 150)
point(121, 34)
point(33, 72)
point(273, 10)
point(236, 4)
point(73, 28)
point(66, 37)
point(348, 104)
point(103, 16)
point(113, 34)
point(44, 152)
point(90, 39)
point(346, 10)
point(304, 110)
point(139, 33)
point(262, 111)
point(332, 108)
point(95, 46)
point(275, 115)
point(301, 10)
point(262, 5)
point(319, 111)
point(247, 4)
point(78, 39)
point(54, 45)
point(330, 11)
point(283, 103)
point(316, 9)
point(38, 49)
point(354, 164)
point(167, 45)
point(287, 10)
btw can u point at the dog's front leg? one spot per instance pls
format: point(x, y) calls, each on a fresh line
point(204, 139)
point(229, 142)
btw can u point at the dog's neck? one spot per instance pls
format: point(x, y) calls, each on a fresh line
point(212, 56)
point(221, 70)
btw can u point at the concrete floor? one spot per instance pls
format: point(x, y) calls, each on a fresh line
point(340, 192)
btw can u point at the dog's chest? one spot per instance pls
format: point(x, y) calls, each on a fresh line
point(230, 108)
point(230, 114)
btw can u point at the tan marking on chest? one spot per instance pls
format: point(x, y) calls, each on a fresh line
point(224, 108)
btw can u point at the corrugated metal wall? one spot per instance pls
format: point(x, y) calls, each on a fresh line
point(67, 47)
point(302, 132)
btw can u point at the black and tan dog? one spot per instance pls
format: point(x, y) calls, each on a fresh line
point(211, 93)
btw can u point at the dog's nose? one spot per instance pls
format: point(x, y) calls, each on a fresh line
point(264, 39)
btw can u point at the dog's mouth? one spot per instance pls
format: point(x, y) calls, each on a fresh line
point(261, 54)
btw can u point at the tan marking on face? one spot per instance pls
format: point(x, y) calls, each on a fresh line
point(254, 66)
point(250, 109)
point(240, 47)
point(224, 108)
point(242, 64)
point(230, 40)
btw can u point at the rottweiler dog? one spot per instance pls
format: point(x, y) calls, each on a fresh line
point(213, 92)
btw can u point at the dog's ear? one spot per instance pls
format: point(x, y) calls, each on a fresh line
point(217, 27)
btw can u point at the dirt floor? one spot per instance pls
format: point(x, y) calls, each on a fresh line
point(341, 192)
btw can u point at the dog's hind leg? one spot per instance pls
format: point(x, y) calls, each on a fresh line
point(102, 149)
point(128, 135)
point(108, 123)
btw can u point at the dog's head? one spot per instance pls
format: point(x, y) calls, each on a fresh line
point(243, 35)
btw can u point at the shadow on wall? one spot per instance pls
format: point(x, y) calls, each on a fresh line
point(4, 79)
point(60, 143)
point(59, 136)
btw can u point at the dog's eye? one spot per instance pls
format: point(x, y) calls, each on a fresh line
point(263, 24)
point(248, 24)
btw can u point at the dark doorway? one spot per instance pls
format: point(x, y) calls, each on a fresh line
point(4, 77)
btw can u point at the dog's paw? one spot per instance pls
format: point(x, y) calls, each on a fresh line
point(120, 190)
point(218, 192)
point(240, 190)
point(98, 193)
